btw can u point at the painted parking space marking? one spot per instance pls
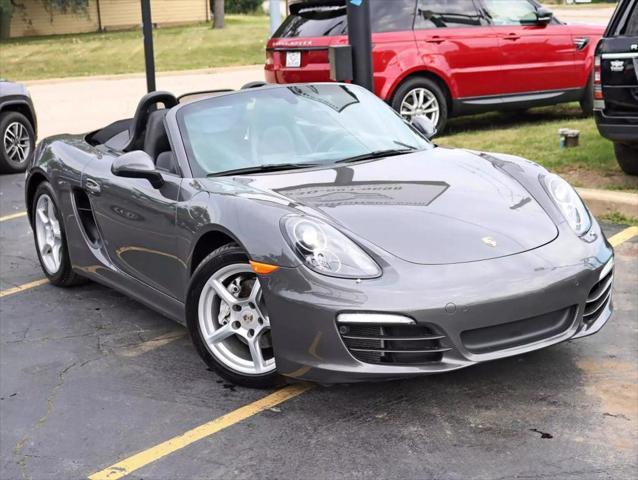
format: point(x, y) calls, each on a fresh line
point(13, 216)
point(626, 234)
point(139, 460)
point(23, 287)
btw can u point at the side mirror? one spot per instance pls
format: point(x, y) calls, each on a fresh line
point(137, 164)
point(544, 16)
point(424, 126)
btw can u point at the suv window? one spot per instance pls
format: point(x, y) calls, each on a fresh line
point(447, 14)
point(511, 12)
point(631, 27)
point(331, 20)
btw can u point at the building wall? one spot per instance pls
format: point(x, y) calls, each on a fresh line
point(35, 19)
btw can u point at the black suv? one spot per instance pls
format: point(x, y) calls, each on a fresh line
point(17, 127)
point(616, 85)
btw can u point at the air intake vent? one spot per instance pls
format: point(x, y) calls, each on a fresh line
point(599, 296)
point(393, 344)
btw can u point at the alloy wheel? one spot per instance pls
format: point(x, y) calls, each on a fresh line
point(234, 322)
point(48, 234)
point(420, 101)
point(17, 143)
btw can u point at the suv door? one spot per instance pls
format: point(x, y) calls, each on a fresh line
point(618, 59)
point(455, 40)
point(536, 58)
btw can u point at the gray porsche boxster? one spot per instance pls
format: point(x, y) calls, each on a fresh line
point(309, 232)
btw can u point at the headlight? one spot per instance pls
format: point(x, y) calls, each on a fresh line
point(569, 203)
point(325, 250)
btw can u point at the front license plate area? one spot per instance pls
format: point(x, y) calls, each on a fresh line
point(293, 59)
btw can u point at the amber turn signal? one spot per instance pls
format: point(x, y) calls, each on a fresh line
point(263, 268)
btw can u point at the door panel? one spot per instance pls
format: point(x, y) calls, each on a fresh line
point(453, 36)
point(137, 224)
point(535, 58)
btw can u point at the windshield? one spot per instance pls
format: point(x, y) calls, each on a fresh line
point(290, 125)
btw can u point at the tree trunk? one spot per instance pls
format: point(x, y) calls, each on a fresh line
point(218, 13)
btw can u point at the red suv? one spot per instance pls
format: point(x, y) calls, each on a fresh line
point(443, 58)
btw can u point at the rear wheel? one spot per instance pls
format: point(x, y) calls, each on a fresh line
point(587, 102)
point(18, 142)
point(50, 239)
point(228, 320)
point(422, 96)
point(627, 156)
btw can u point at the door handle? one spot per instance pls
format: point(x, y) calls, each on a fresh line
point(92, 186)
point(435, 39)
point(511, 36)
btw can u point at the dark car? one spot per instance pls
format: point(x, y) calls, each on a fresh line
point(310, 231)
point(616, 85)
point(444, 58)
point(18, 126)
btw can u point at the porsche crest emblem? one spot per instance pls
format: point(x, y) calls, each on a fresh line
point(489, 241)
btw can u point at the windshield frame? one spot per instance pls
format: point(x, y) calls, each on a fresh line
point(184, 154)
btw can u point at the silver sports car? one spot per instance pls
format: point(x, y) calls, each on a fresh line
point(309, 232)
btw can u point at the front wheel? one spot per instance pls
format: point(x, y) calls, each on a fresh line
point(228, 320)
point(422, 96)
point(627, 156)
point(18, 142)
point(587, 101)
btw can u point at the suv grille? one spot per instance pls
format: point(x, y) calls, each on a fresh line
point(395, 344)
point(598, 297)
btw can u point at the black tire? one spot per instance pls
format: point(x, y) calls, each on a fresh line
point(9, 160)
point(227, 255)
point(431, 85)
point(587, 102)
point(627, 156)
point(64, 276)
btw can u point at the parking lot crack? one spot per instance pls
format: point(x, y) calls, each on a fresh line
point(50, 404)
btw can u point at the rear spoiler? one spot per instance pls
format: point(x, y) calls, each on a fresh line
point(297, 5)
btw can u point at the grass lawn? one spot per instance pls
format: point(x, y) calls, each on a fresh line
point(534, 135)
point(242, 42)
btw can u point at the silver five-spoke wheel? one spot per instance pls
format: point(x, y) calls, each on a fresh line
point(420, 101)
point(233, 321)
point(48, 234)
point(17, 143)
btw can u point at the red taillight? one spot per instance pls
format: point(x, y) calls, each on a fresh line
point(598, 88)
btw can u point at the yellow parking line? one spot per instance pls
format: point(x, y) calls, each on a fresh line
point(141, 459)
point(623, 236)
point(22, 288)
point(13, 216)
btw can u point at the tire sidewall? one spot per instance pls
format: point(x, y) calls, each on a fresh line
point(65, 270)
point(222, 257)
point(432, 86)
point(6, 165)
point(627, 157)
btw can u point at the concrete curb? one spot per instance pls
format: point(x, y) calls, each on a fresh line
point(603, 202)
point(124, 76)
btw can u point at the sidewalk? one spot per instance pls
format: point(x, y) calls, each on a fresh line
point(590, 16)
point(80, 105)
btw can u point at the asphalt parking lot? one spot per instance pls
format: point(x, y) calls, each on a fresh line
point(89, 378)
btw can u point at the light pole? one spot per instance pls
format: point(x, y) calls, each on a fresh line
point(274, 9)
point(360, 39)
point(149, 58)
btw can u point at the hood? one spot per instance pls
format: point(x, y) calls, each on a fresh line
point(432, 207)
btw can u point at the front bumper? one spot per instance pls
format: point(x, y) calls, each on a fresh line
point(529, 301)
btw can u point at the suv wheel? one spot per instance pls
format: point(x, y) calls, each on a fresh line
point(627, 156)
point(422, 96)
point(587, 101)
point(17, 142)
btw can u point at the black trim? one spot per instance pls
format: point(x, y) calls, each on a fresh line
point(515, 101)
point(6, 102)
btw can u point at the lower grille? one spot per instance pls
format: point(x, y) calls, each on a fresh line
point(518, 333)
point(393, 344)
point(598, 297)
